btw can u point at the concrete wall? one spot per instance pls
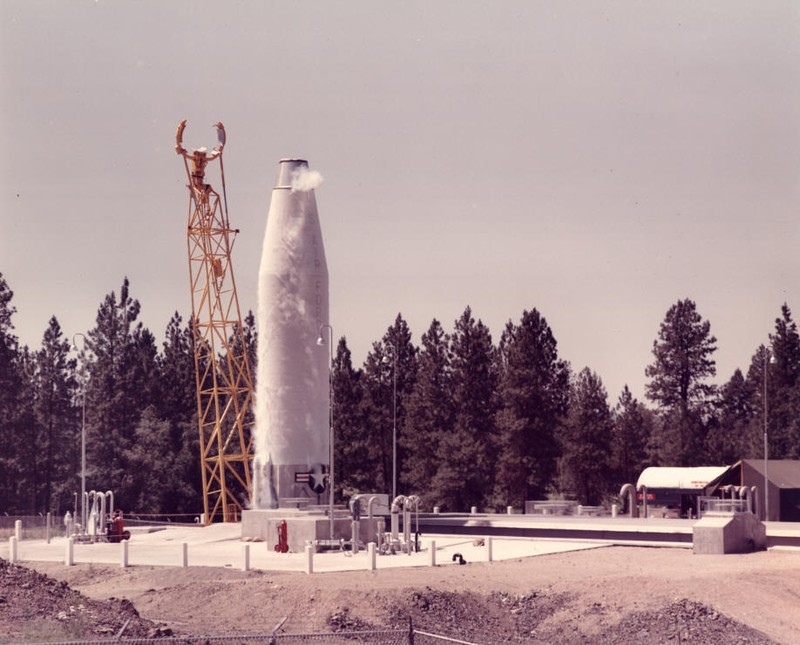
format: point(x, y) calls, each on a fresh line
point(719, 533)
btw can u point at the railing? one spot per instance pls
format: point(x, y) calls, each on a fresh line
point(717, 505)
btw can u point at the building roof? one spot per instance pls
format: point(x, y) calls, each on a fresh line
point(783, 473)
point(695, 478)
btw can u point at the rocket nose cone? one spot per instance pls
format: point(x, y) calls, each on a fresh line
point(287, 170)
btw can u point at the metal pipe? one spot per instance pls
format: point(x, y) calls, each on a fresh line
point(408, 502)
point(643, 490)
point(397, 506)
point(370, 504)
point(630, 491)
point(756, 501)
point(110, 496)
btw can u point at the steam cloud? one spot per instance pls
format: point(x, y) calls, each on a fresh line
point(304, 179)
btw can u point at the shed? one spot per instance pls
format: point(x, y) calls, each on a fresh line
point(784, 485)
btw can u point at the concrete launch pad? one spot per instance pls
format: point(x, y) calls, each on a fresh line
point(476, 538)
point(303, 526)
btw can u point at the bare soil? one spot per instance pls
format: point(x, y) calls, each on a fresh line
point(608, 595)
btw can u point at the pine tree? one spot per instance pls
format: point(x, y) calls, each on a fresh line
point(633, 426)
point(177, 406)
point(735, 434)
point(784, 398)
point(534, 395)
point(57, 424)
point(466, 457)
point(24, 445)
point(150, 480)
point(586, 441)
point(122, 384)
point(10, 386)
point(389, 374)
point(429, 416)
point(353, 470)
point(683, 361)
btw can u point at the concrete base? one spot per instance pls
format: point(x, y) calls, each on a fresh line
point(718, 533)
point(304, 526)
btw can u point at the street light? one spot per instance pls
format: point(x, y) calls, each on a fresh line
point(394, 418)
point(83, 435)
point(321, 341)
point(768, 359)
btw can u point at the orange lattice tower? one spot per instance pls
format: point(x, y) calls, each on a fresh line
point(223, 376)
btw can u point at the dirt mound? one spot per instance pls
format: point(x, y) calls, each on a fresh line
point(684, 621)
point(542, 617)
point(35, 607)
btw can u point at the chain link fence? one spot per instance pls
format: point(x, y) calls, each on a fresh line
point(34, 527)
point(408, 636)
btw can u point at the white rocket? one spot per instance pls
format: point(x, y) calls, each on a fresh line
point(291, 435)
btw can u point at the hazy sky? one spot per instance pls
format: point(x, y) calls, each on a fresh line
point(596, 161)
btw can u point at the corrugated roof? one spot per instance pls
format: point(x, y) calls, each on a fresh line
point(694, 478)
point(783, 473)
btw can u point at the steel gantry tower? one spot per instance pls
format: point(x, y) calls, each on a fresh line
point(223, 376)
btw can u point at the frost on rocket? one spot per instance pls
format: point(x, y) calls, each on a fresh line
point(291, 388)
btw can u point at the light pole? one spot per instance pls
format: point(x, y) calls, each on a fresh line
point(83, 436)
point(768, 358)
point(321, 341)
point(394, 419)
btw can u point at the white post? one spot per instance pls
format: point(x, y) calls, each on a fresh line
point(432, 553)
point(47, 533)
point(614, 510)
point(69, 555)
point(435, 510)
point(124, 554)
point(488, 542)
point(309, 558)
point(246, 558)
point(18, 529)
point(474, 510)
point(12, 549)
point(371, 553)
point(510, 510)
point(185, 554)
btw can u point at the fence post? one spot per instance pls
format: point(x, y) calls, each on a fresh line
point(432, 554)
point(309, 558)
point(246, 558)
point(69, 554)
point(18, 529)
point(124, 557)
point(410, 631)
point(488, 549)
point(185, 554)
point(12, 549)
point(371, 554)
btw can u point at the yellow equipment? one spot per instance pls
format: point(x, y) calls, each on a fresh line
point(223, 375)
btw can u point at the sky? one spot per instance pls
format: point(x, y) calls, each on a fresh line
point(597, 161)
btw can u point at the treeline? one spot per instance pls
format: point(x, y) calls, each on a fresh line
point(475, 422)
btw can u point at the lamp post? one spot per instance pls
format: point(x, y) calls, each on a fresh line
point(768, 359)
point(83, 436)
point(394, 419)
point(321, 341)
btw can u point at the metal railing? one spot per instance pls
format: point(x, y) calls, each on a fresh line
point(717, 505)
